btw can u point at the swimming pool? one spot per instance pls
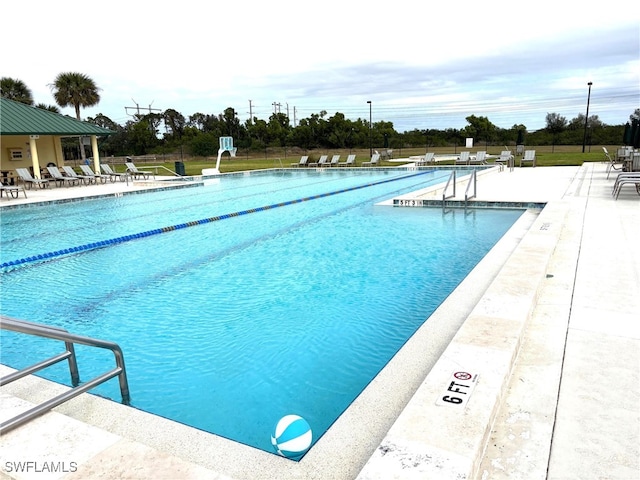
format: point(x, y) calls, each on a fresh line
point(230, 324)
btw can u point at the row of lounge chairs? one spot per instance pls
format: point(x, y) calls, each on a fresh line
point(70, 177)
point(628, 161)
point(480, 158)
point(324, 162)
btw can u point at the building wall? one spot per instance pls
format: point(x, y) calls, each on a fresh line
point(49, 149)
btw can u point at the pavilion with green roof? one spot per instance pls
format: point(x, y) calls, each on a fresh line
point(30, 137)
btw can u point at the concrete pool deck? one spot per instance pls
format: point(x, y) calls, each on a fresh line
point(548, 321)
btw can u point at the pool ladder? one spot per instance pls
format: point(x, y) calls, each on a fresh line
point(69, 339)
point(472, 185)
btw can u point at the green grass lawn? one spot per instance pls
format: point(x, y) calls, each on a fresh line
point(545, 156)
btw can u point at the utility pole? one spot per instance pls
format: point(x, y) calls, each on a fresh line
point(137, 108)
point(250, 112)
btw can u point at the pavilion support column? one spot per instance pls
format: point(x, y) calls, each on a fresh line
point(34, 155)
point(95, 153)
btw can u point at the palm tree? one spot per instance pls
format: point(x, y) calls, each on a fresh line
point(15, 89)
point(77, 89)
point(50, 108)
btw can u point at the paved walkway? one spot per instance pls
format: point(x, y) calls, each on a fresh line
point(555, 339)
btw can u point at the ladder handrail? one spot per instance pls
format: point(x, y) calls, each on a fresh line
point(45, 331)
point(472, 181)
point(444, 192)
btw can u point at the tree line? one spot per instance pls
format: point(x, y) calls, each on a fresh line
point(170, 131)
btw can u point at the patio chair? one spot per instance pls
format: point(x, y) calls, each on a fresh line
point(334, 161)
point(302, 163)
point(612, 162)
point(463, 158)
point(428, 158)
point(479, 159)
point(135, 173)
point(70, 172)
point(86, 169)
point(627, 178)
point(350, 162)
point(375, 160)
point(12, 191)
point(28, 180)
point(321, 162)
point(529, 157)
point(61, 179)
point(107, 170)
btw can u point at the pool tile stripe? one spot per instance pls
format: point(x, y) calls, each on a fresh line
point(135, 236)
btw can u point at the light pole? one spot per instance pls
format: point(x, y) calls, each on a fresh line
point(586, 118)
point(370, 126)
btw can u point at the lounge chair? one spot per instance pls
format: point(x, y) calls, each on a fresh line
point(611, 162)
point(350, 162)
point(334, 161)
point(86, 169)
point(12, 191)
point(428, 158)
point(505, 158)
point(375, 160)
point(627, 178)
point(135, 173)
point(61, 179)
point(321, 162)
point(70, 172)
point(107, 170)
point(302, 163)
point(463, 158)
point(28, 180)
point(479, 159)
point(529, 156)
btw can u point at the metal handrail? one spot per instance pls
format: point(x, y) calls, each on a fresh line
point(444, 192)
point(472, 181)
point(30, 328)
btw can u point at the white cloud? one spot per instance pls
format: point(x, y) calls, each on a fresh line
point(423, 65)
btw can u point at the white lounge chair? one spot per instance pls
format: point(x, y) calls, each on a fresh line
point(479, 159)
point(612, 162)
point(626, 178)
point(321, 161)
point(12, 191)
point(463, 158)
point(135, 173)
point(375, 160)
point(61, 179)
point(428, 158)
point(86, 169)
point(107, 170)
point(70, 172)
point(334, 161)
point(528, 157)
point(350, 162)
point(302, 163)
point(28, 180)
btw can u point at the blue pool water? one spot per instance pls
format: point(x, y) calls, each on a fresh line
point(230, 324)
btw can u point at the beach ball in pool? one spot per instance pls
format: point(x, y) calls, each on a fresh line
point(292, 436)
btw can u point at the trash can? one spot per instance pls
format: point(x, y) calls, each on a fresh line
point(180, 168)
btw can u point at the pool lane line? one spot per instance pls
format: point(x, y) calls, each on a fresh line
point(217, 218)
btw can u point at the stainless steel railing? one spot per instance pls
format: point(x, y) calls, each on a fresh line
point(452, 180)
point(473, 182)
point(69, 339)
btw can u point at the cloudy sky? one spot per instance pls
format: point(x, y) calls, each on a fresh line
point(421, 65)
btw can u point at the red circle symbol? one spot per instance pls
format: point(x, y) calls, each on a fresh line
point(462, 375)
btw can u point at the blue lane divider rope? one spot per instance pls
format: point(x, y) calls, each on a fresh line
point(156, 231)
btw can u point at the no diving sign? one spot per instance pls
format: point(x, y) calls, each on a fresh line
point(458, 389)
